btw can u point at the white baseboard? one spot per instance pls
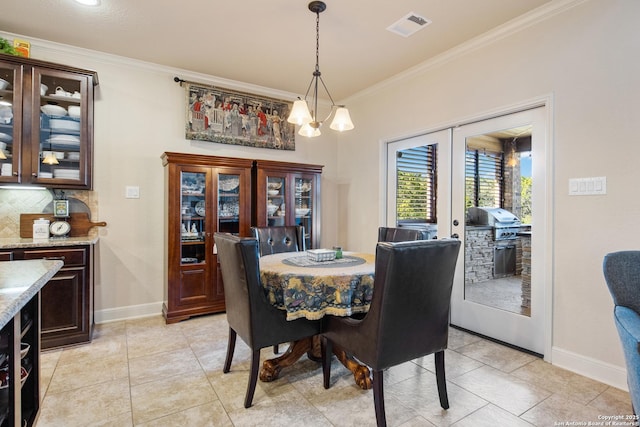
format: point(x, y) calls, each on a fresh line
point(128, 312)
point(598, 370)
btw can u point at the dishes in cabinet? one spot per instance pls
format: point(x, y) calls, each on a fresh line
point(274, 185)
point(4, 84)
point(66, 173)
point(5, 137)
point(63, 139)
point(273, 192)
point(57, 154)
point(43, 89)
point(6, 114)
point(62, 124)
point(229, 184)
point(45, 175)
point(73, 155)
point(74, 111)
point(53, 110)
point(302, 211)
point(271, 209)
point(303, 187)
point(200, 209)
point(189, 260)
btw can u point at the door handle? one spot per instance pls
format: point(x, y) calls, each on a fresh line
point(455, 236)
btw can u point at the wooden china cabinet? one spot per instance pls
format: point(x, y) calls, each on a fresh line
point(288, 194)
point(46, 123)
point(204, 194)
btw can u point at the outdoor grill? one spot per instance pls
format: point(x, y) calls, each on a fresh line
point(505, 229)
point(505, 224)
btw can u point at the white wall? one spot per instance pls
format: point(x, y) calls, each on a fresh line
point(586, 59)
point(139, 114)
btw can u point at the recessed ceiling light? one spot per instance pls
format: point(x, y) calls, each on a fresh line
point(88, 2)
point(408, 24)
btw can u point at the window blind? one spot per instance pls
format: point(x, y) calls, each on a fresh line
point(416, 184)
point(484, 184)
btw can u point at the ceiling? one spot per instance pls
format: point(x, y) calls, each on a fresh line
point(266, 43)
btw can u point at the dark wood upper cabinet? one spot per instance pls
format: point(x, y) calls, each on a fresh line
point(46, 123)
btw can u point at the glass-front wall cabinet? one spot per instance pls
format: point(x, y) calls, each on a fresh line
point(46, 124)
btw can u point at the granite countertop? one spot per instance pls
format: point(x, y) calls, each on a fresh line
point(20, 281)
point(17, 242)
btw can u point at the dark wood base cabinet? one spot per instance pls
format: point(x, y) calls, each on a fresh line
point(67, 299)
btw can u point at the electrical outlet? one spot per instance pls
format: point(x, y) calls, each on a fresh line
point(132, 192)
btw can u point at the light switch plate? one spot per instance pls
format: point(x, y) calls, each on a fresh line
point(132, 192)
point(588, 186)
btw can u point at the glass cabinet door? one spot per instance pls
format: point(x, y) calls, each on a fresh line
point(193, 217)
point(276, 201)
point(304, 207)
point(61, 100)
point(10, 121)
point(229, 203)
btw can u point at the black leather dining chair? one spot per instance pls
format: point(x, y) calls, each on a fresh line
point(390, 234)
point(258, 323)
point(408, 317)
point(278, 239)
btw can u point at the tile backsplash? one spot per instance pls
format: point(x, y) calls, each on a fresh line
point(16, 202)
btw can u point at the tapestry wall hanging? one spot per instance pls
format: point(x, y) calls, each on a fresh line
point(229, 117)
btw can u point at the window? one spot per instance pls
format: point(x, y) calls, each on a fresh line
point(416, 185)
point(484, 184)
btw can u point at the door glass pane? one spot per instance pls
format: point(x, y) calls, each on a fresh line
point(497, 236)
point(304, 207)
point(60, 124)
point(228, 203)
point(276, 205)
point(193, 214)
point(6, 121)
point(416, 184)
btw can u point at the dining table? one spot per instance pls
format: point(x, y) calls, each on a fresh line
point(306, 288)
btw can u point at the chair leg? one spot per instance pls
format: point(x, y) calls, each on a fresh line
point(231, 346)
point(253, 378)
point(275, 349)
point(441, 380)
point(378, 398)
point(326, 349)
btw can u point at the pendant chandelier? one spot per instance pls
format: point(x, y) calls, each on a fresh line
point(300, 113)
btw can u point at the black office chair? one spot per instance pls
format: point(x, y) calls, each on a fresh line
point(278, 239)
point(274, 240)
point(249, 314)
point(390, 234)
point(408, 317)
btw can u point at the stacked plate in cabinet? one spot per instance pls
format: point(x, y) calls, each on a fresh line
point(66, 173)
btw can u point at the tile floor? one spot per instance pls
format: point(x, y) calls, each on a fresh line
point(146, 373)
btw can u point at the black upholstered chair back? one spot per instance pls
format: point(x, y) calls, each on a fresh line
point(274, 240)
point(408, 317)
point(249, 314)
point(390, 234)
point(409, 313)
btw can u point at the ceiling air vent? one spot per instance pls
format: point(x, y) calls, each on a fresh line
point(408, 24)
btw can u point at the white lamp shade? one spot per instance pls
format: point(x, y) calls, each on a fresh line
point(308, 131)
point(341, 120)
point(299, 113)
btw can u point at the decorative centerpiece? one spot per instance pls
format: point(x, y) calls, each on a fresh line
point(320, 255)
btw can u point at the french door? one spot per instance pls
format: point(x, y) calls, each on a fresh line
point(500, 162)
point(499, 287)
